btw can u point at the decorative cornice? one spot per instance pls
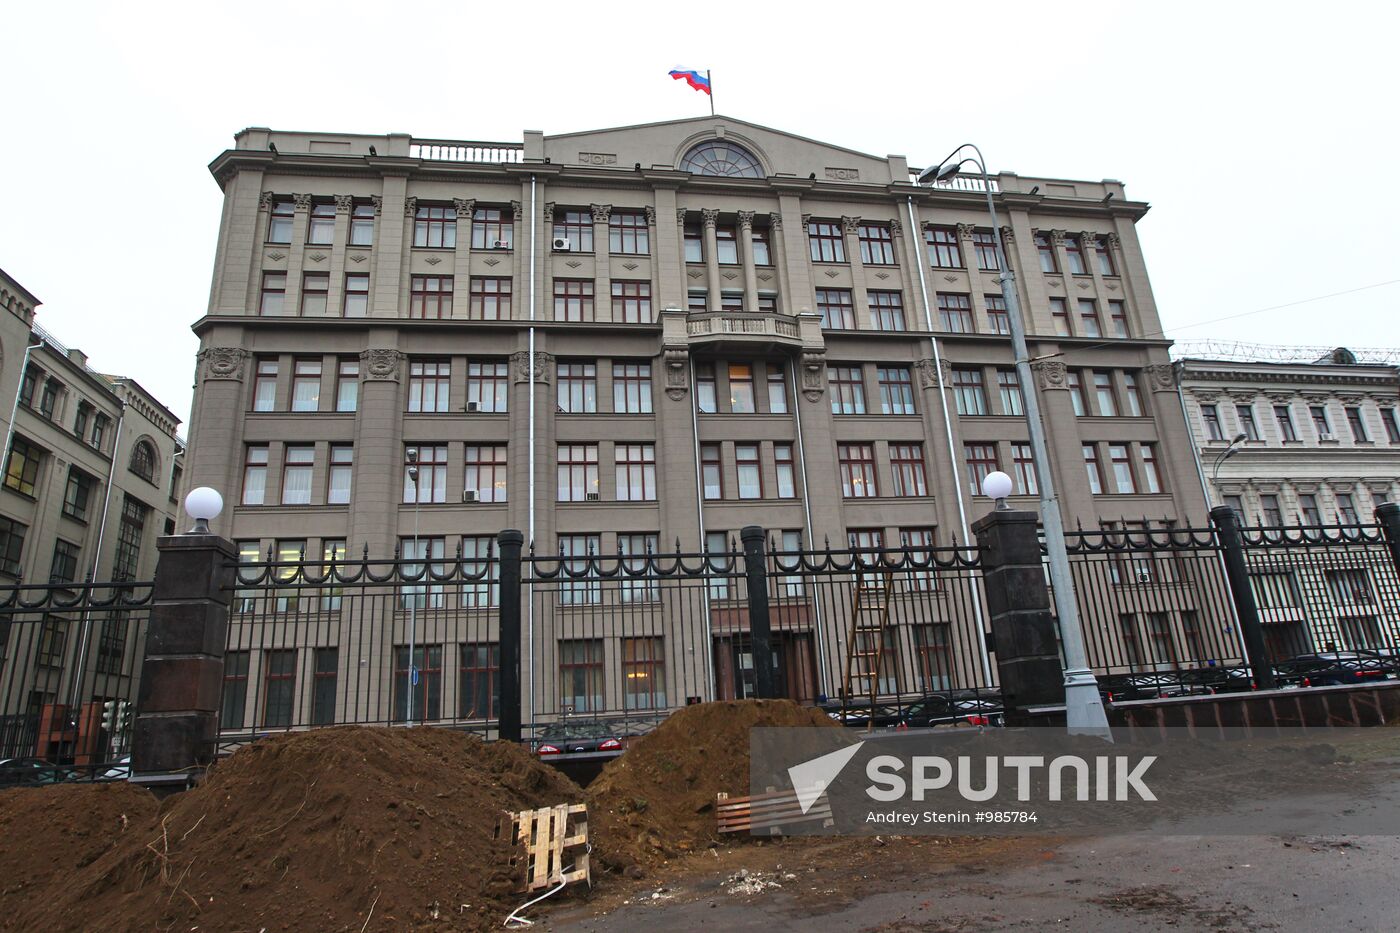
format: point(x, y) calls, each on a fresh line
point(1193, 374)
point(1051, 374)
point(222, 363)
point(381, 365)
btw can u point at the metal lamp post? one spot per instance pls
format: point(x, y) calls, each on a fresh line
point(1084, 711)
point(1224, 455)
point(413, 603)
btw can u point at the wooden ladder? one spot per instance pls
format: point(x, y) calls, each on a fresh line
point(865, 648)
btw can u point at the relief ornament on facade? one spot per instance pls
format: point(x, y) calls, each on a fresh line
point(677, 373)
point(223, 362)
point(1051, 374)
point(381, 364)
point(520, 366)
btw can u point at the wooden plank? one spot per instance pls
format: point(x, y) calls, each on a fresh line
point(539, 868)
point(560, 818)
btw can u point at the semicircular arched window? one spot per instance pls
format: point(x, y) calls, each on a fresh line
point(718, 157)
point(143, 461)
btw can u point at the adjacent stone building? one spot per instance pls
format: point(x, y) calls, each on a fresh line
point(623, 338)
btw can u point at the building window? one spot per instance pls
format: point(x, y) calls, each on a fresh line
point(746, 463)
point(777, 389)
point(64, 567)
point(697, 301)
point(493, 228)
point(981, 460)
point(581, 674)
point(430, 297)
point(1089, 318)
point(876, 244)
point(578, 472)
point(858, 471)
point(27, 386)
point(274, 293)
point(969, 394)
point(422, 595)
point(298, 461)
point(1046, 253)
point(631, 302)
point(954, 313)
point(907, 465)
point(984, 243)
point(1132, 395)
point(279, 222)
point(347, 385)
point(632, 388)
point(1122, 468)
point(486, 475)
point(741, 395)
point(694, 243)
point(847, 390)
point(306, 385)
point(711, 471)
point(1118, 316)
point(1023, 463)
point(430, 464)
point(933, 649)
point(130, 530)
point(320, 230)
point(327, 662)
point(11, 545)
point(1391, 420)
point(1307, 507)
point(1346, 509)
point(1247, 424)
point(705, 393)
point(341, 474)
point(356, 295)
point(896, 390)
point(1150, 473)
point(825, 241)
point(787, 473)
point(478, 681)
point(577, 228)
point(428, 385)
point(484, 592)
point(1009, 391)
point(1358, 427)
point(1076, 392)
point(762, 252)
point(235, 690)
point(143, 461)
point(726, 245)
point(887, 309)
point(111, 642)
point(944, 251)
point(731, 301)
point(489, 299)
point(580, 551)
point(1105, 260)
point(487, 383)
point(1059, 314)
point(627, 233)
point(435, 227)
point(997, 315)
point(315, 289)
point(1103, 394)
point(80, 420)
point(279, 687)
point(643, 673)
point(1321, 422)
point(577, 391)
point(255, 474)
point(635, 472)
point(48, 397)
point(22, 469)
point(1269, 508)
point(1074, 256)
point(836, 309)
point(77, 494)
point(362, 225)
point(1210, 414)
point(423, 701)
point(265, 386)
point(573, 300)
point(1091, 466)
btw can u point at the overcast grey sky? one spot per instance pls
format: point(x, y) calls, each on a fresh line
point(1263, 134)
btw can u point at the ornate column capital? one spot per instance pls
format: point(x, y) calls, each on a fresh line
point(516, 212)
point(775, 221)
point(813, 366)
point(650, 211)
point(265, 201)
point(222, 363)
point(344, 203)
point(850, 224)
point(1051, 374)
point(549, 212)
point(378, 203)
point(1057, 238)
point(709, 218)
point(746, 219)
point(380, 365)
point(806, 220)
point(677, 373)
point(465, 207)
point(964, 231)
point(410, 207)
point(896, 227)
point(1113, 241)
point(1008, 236)
point(680, 215)
point(302, 202)
point(543, 366)
point(601, 212)
point(1162, 377)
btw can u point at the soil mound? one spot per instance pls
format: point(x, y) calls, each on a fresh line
point(657, 801)
point(333, 829)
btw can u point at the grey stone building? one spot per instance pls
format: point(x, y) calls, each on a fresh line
point(622, 338)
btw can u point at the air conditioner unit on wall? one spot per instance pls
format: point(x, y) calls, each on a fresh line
point(1325, 436)
point(591, 497)
point(473, 406)
point(562, 244)
point(469, 495)
point(500, 244)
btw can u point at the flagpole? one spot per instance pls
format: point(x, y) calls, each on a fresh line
point(711, 95)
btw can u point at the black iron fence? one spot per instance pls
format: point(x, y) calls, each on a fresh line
point(70, 667)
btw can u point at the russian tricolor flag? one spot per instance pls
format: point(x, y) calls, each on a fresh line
point(694, 78)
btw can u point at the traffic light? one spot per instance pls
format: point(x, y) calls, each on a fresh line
point(109, 716)
point(124, 718)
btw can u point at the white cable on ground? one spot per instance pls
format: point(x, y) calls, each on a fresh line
point(521, 921)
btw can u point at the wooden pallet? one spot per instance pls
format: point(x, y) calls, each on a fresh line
point(548, 840)
point(767, 813)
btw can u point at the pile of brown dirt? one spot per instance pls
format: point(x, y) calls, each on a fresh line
point(657, 801)
point(333, 829)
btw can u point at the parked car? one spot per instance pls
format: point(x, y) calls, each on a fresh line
point(1334, 668)
point(15, 771)
point(578, 735)
point(940, 709)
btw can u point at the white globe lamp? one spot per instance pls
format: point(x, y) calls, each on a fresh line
point(203, 504)
point(997, 485)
